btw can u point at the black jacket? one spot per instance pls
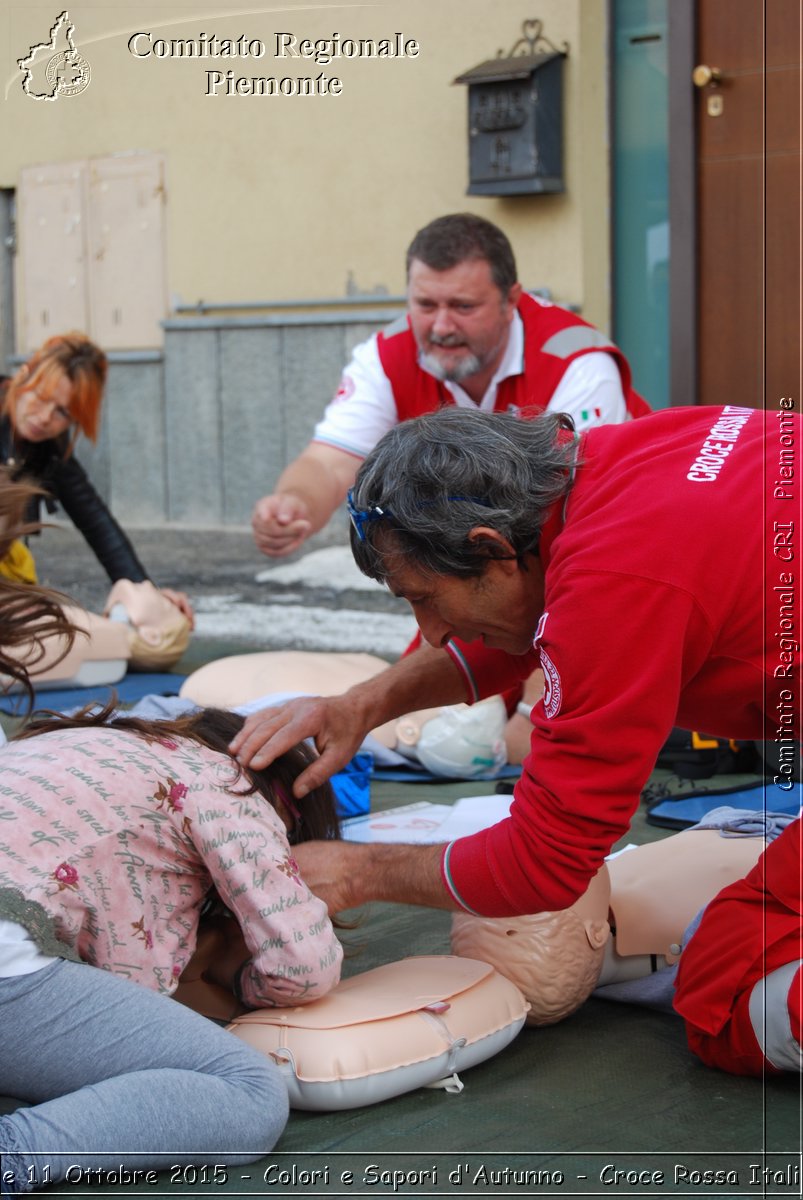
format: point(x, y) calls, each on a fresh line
point(66, 482)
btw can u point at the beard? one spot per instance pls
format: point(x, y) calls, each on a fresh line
point(455, 371)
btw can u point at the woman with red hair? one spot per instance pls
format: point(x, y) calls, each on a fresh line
point(53, 398)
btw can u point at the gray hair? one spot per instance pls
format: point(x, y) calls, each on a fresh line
point(431, 481)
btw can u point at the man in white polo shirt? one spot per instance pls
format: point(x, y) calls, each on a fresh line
point(472, 337)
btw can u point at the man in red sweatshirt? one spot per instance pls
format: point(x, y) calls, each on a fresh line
point(649, 569)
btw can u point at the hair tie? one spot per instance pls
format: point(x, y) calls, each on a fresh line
point(287, 801)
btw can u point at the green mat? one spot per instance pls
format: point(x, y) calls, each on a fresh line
point(558, 1113)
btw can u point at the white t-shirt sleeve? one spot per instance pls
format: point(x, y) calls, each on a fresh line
point(363, 408)
point(591, 392)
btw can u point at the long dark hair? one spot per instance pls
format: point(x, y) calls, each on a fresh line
point(314, 817)
point(29, 614)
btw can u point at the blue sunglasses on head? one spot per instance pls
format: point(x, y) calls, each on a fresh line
point(360, 517)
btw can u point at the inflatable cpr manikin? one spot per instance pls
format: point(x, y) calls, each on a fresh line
point(629, 922)
point(457, 741)
point(140, 629)
point(99, 654)
point(554, 958)
point(158, 632)
point(241, 678)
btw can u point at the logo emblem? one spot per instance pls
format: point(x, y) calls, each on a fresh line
point(553, 688)
point(345, 390)
point(55, 68)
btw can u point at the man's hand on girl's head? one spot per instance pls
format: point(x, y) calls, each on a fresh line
point(331, 722)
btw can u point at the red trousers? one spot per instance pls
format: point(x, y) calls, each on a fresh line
point(750, 930)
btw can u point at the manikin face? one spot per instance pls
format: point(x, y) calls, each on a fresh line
point(43, 412)
point(460, 319)
point(555, 958)
point(501, 607)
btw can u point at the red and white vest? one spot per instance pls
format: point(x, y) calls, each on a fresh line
point(553, 338)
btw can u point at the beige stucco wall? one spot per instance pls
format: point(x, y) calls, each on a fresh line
point(293, 197)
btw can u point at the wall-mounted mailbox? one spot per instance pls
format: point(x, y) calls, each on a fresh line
point(515, 119)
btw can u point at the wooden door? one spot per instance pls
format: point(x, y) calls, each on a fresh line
point(128, 291)
point(748, 201)
point(51, 261)
point(91, 251)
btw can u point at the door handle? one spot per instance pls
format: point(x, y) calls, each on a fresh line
point(703, 76)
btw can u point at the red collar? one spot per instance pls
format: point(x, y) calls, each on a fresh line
point(556, 517)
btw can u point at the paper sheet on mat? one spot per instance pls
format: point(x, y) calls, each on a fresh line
point(423, 823)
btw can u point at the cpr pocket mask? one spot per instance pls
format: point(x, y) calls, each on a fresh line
point(465, 741)
point(408, 1024)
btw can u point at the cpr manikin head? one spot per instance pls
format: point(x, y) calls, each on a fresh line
point(462, 740)
point(158, 632)
point(554, 958)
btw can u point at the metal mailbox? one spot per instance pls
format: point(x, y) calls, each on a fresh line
point(515, 119)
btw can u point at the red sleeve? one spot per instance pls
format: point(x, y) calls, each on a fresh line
point(615, 651)
point(749, 929)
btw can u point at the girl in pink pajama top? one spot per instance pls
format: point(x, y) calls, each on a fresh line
point(112, 837)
